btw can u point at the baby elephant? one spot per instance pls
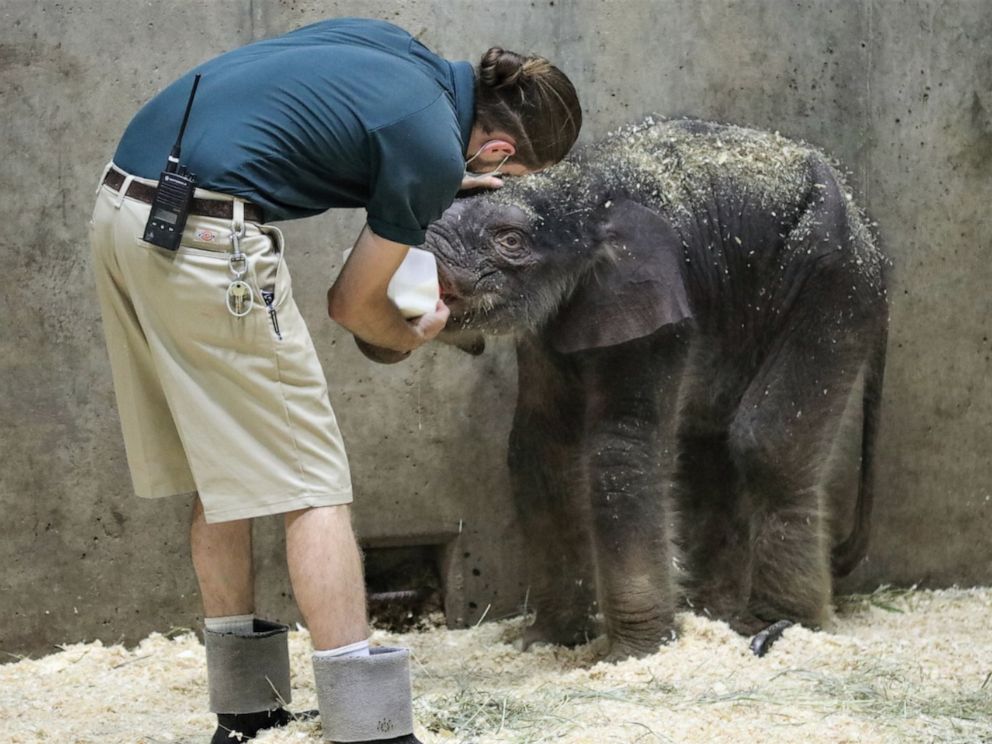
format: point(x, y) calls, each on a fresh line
point(694, 307)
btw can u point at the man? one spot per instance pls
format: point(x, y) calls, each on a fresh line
point(219, 388)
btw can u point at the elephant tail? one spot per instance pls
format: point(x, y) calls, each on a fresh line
point(846, 556)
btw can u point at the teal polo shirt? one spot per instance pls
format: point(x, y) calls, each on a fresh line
point(347, 112)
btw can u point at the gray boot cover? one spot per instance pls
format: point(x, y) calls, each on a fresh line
point(364, 698)
point(248, 673)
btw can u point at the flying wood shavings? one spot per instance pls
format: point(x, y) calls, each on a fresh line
point(896, 666)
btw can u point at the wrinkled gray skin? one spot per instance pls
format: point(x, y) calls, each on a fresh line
point(694, 307)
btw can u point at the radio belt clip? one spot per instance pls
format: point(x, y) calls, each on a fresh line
point(173, 195)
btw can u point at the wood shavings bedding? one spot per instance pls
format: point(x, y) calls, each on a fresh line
point(893, 667)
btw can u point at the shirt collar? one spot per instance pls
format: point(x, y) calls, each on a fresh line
point(463, 75)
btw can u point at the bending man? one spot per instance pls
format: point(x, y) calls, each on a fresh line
point(219, 387)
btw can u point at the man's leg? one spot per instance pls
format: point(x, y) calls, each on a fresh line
point(325, 568)
point(364, 694)
point(223, 563)
point(244, 655)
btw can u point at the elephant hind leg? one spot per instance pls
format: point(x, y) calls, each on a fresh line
point(780, 439)
point(791, 571)
point(714, 531)
point(748, 564)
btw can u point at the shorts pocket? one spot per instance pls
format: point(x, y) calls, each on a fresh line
point(269, 268)
point(205, 252)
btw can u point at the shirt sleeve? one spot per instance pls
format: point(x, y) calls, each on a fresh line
point(417, 168)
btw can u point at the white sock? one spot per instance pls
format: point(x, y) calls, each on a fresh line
point(360, 648)
point(237, 624)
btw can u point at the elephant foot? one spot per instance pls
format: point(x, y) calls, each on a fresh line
point(745, 623)
point(623, 653)
point(723, 606)
point(623, 650)
point(623, 647)
point(555, 635)
point(763, 641)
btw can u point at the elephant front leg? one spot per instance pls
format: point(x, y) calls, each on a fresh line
point(549, 489)
point(630, 450)
point(631, 536)
point(546, 485)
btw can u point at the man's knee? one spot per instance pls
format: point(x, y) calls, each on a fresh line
point(337, 514)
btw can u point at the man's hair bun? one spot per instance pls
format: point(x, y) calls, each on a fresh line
point(531, 100)
point(500, 68)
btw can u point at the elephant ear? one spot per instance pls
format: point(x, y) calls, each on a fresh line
point(635, 292)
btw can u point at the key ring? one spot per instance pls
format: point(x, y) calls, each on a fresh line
point(237, 304)
point(239, 297)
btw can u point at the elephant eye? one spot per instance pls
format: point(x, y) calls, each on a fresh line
point(510, 242)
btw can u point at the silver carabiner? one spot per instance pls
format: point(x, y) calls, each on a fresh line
point(238, 261)
point(239, 297)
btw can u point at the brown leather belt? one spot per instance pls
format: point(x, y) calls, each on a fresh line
point(222, 208)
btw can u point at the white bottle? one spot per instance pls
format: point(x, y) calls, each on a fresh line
point(414, 288)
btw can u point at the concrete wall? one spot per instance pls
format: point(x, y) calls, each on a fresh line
point(900, 91)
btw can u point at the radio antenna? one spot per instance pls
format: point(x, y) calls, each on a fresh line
point(174, 155)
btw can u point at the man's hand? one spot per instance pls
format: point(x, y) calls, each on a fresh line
point(431, 324)
point(481, 182)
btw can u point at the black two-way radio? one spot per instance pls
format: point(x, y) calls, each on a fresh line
point(174, 195)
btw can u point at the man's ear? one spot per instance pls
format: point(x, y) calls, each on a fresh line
point(636, 290)
point(499, 148)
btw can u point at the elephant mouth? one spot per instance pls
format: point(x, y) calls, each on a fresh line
point(449, 293)
point(446, 284)
point(469, 309)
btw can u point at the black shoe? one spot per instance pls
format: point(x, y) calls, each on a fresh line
point(235, 727)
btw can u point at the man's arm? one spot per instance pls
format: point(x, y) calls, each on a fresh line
point(357, 300)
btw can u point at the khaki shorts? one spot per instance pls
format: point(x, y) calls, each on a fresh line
point(210, 402)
